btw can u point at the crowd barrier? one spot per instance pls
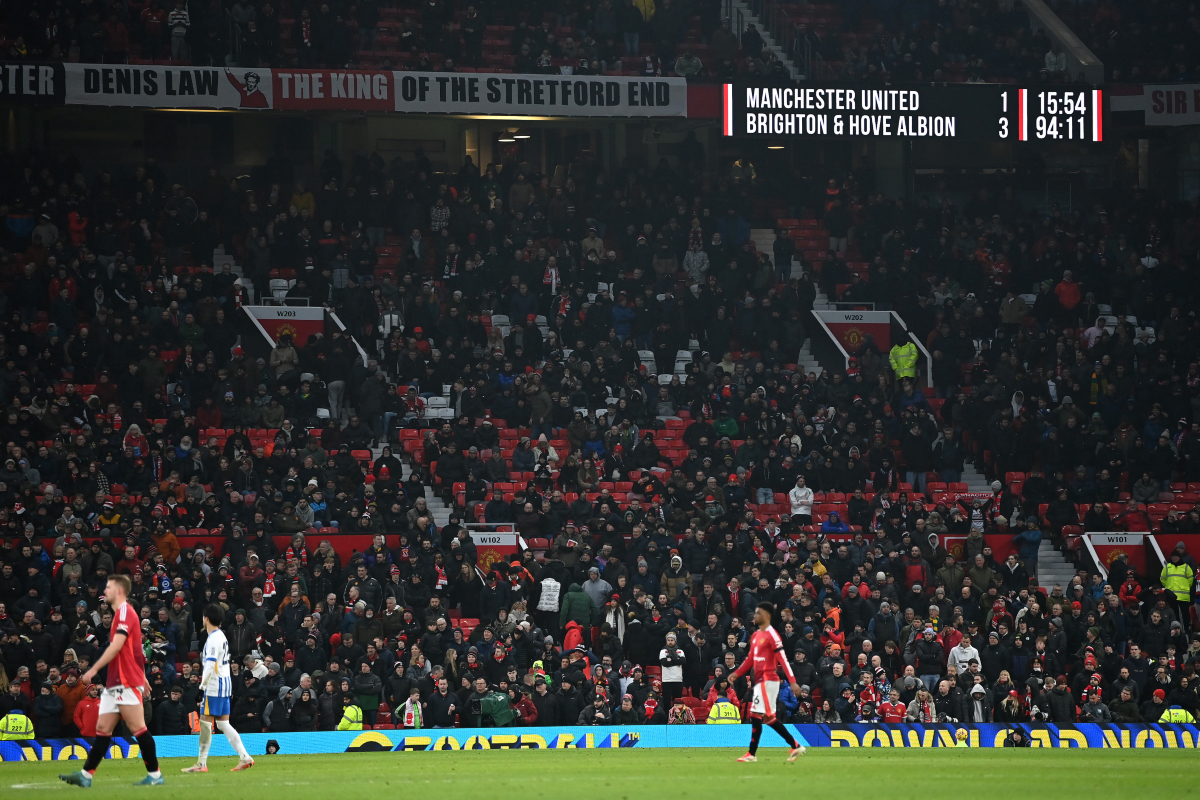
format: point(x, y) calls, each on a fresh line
point(646, 736)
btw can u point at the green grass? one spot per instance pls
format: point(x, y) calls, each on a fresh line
point(627, 774)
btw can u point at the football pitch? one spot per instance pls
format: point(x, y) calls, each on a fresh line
point(627, 774)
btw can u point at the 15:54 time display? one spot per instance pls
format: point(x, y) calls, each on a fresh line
point(1066, 114)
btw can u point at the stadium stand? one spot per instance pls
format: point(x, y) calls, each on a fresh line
point(569, 407)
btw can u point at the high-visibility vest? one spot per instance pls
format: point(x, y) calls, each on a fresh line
point(1177, 578)
point(724, 713)
point(352, 719)
point(903, 359)
point(194, 722)
point(1176, 714)
point(15, 725)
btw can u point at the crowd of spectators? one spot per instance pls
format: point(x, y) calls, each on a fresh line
point(133, 420)
point(952, 40)
point(592, 37)
point(1138, 43)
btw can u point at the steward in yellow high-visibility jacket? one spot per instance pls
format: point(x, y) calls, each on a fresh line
point(352, 715)
point(1177, 714)
point(723, 712)
point(903, 360)
point(1177, 577)
point(14, 726)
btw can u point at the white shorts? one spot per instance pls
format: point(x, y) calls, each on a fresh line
point(765, 699)
point(114, 696)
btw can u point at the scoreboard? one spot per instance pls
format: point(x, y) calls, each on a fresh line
point(977, 112)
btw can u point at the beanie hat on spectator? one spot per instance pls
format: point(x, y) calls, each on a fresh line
point(1160, 694)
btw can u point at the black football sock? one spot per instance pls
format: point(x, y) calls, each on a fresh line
point(782, 730)
point(755, 735)
point(100, 745)
point(149, 751)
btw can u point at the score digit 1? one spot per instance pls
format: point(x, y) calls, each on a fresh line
point(1004, 120)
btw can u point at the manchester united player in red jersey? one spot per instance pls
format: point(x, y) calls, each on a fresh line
point(767, 658)
point(124, 689)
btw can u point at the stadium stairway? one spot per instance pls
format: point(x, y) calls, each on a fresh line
point(441, 511)
point(762, 238)
point(744, 14)
point(974, 480)
point(1053, 566)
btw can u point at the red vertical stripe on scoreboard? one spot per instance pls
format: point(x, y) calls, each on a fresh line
point(727, 113)
point(1022, 125)
point(1097, 115)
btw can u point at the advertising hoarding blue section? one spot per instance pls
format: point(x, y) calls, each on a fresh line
point(647, 736)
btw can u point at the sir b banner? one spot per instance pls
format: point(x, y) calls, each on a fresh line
point(1081, 736)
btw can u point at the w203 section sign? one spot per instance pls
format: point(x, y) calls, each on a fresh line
point(970, 112)
point(615, 738)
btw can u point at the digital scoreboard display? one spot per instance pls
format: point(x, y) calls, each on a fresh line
point(977, 112)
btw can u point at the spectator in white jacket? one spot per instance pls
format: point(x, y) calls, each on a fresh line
point(961, 655)
point(671, 659)
point(801, 498)
point(1056, 60)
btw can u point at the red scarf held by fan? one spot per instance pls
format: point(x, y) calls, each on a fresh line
point(651, 707)
point(291, 555)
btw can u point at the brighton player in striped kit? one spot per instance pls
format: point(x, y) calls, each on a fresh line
point(766, 659)
point(218, 689)
point(124, 689)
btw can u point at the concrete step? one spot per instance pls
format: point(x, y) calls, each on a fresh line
point(748, 16)
point(763, 239)
point(975, 481)
point(1053, 567)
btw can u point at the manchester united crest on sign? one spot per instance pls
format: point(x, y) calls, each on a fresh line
point(488, 556)
point(853, 338)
